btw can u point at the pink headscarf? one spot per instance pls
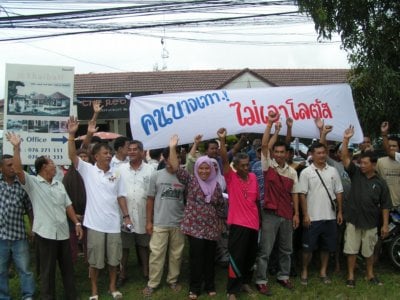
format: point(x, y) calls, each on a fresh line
point(207, 186)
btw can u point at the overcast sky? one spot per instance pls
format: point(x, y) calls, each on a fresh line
point(278, 44)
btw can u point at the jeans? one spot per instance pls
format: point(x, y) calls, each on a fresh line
point(273, 227)
point(19, 251)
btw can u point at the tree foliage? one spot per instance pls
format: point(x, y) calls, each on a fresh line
point(369, 30)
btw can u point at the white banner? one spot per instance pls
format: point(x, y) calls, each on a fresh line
point(154, 119)
point(38, 103)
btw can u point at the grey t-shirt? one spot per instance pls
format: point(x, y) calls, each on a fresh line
point(344, 176)
point(169, 194)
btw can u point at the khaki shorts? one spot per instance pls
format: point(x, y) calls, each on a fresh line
point(129, 240)
point(354, 238)
point(103, 247)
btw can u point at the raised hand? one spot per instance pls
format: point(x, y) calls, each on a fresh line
point(289, 122)
point(173, 141)
point(272, 117)
point(197, 139)
point(96, 104)
point(319, 123)
point(243, 140)
point(221, 133)
point(327, 128)
point(13, 138)
point(349, 132)
point(385, 127)
point(72, 125)
point(278, 126)
point(92, 129)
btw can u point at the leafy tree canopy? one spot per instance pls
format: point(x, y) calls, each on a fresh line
point(369, 30)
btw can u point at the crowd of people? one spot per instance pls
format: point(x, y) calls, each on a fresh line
point(251, 208)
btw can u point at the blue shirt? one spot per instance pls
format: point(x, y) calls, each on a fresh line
point(257, 169)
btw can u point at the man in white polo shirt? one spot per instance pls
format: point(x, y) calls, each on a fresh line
point(320, 210)
point(105, 201)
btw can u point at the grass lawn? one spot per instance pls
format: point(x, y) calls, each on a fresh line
point(315, 289)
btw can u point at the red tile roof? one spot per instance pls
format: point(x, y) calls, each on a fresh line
point(181, 81)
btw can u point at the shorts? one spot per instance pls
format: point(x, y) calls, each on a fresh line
point(320, 233)
point(103, 247)
point(129, 240)
point(355, 237)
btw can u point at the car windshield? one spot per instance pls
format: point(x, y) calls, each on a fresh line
point(299, 147)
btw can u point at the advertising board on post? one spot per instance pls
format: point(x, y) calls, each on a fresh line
point(38, 102)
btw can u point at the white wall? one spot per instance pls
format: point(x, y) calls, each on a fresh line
point(246, 81)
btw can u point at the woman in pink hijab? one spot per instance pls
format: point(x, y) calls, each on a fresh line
point(203, 217)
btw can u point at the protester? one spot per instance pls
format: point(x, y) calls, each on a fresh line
point(120, 157)
point(320, 195)
point(164, 214)
point(105, 199)
point(202, 221)
point(75, 188)
point(51, 205)
point(387, 167)
point(243, 218)
point(252, 153)
point(14, 203)
point(155, 156)
point(136, 178)
point(369, 198)
point(281, 210)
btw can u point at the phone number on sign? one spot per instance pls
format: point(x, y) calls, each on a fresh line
point(53, 156)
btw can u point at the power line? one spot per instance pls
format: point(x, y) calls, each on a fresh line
point(74, 58)
point(161, 24)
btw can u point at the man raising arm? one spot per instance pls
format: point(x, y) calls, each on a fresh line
point(105, 203)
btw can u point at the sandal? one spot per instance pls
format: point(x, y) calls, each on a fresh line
point(231, 297)
point(116, 295)
point(148, 291)
point(325, 279)
point(303, 281)
point(211, 293)
point(121, 281)
point(175, 287)
point(192, 296)
point(95, 297)
point(375, 281)
point(351, 283)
